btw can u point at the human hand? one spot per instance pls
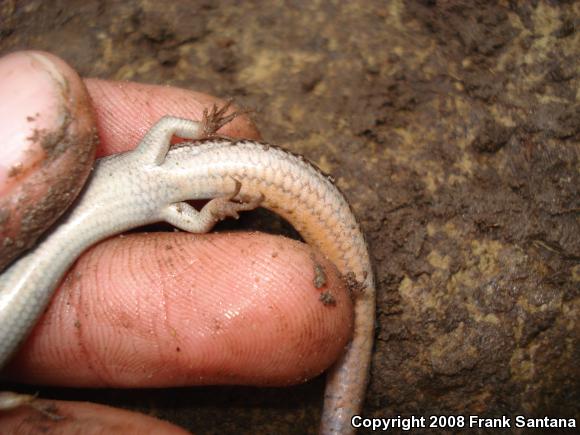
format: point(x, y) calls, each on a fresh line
point(164, 309)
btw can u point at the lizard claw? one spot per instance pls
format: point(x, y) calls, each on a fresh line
point(215, 118)
point(224, 207)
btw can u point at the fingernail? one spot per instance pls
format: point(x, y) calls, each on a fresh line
point(30, 101)
point(47, 131)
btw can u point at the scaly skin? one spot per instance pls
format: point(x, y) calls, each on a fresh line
point(151, 183)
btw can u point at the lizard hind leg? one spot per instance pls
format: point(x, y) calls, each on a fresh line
point(185, 217)
point(154, 146)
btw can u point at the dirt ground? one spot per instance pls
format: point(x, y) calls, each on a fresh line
point(453, 127)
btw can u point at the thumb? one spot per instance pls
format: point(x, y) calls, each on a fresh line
point(48, 136)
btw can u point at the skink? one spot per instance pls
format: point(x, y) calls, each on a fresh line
point(152, 183)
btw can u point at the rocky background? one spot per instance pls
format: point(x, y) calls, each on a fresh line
point(453, 127)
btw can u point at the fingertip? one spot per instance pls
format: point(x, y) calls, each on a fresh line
point(41, 96)
point(126, 110)
point(177, 309)
point(54, 416)
point(48, 137)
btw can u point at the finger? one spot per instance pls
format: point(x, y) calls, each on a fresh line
point(171, 309)
point(76, 417)
point(48, 143)
point(125, 111)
